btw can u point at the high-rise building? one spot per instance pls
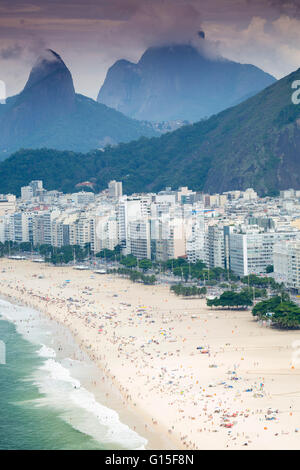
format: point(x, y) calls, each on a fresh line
point(26, 193)
point(195, 236)
point(139, 240)
point(42, 227)
point(287, 263)
point(214, 247)
point(36, 186)
point(252, 252)
point(115, 189)
point(171, 237)
point(83, 198)
point(130, 209)
point(21, 225)
point(7, 204)
point(64, 229)
point(104, 231)
point(83, 230)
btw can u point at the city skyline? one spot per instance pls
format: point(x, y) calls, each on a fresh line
point(236, 230)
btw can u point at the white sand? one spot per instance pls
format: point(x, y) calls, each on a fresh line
point(152, 357)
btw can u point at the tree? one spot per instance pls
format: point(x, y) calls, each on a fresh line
point(149, 280)
point(257, 281)
point(45, 250)
point(145, 264)
point(282, 312)
point(110, 254)
point(135, 276)
point(188, 291)
point(129, 261)
point(287, 315)
point(255, 293)
point(231, 299)
point(266, 307)
point(25, 246)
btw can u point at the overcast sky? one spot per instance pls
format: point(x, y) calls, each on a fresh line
point(91, 34)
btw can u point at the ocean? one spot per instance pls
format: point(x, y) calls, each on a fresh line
point(44, 403)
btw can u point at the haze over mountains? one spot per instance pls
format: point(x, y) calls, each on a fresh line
point(254, 144)
point(48, 113)
point(179, 82)
point(169, 84)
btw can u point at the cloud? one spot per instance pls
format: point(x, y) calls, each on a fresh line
point(286, 7)
point(91, 34)
point(271, 45)
point(11, 52)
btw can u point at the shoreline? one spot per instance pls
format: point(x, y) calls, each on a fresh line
point(109, 395)
point(149, 351)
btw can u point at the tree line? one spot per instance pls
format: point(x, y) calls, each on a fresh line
point(52, 254)
point(135, 276)
point(179, 267)
point(231, 299)
point(188, 291)
point(282, 312)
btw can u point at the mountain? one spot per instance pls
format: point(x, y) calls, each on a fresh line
point(254, 144)
point(48, 113)
point(179, 82)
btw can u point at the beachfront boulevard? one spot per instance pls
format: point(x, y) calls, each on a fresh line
point(189, 377)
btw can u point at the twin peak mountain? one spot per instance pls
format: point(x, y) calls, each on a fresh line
point(168, 83)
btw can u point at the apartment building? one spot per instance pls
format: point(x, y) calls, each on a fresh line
point(22, 227)
point(139, 239)
point(252, 252)
point(42, 227)
point(104, 231)
point(195, 237)
point(214, 252)
point(287, 263)
point(115, 189)
point(7, 204)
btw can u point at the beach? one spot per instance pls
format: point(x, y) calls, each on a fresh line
point(187, 377)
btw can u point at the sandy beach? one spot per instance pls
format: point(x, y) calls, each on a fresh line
point(200, 378)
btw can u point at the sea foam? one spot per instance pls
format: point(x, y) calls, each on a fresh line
point(76, 405)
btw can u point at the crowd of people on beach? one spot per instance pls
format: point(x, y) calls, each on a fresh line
point(156, 357)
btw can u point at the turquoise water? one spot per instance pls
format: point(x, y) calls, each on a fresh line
point(43, 404)
point(23, 425)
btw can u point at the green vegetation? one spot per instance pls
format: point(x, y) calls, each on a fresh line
point(129, 261)
point(15, 248)
point(9, 248)
point(264, 308)
point(180, 267)
point(280, 310)
point(255, 293)
point(52, 254)
point(237, 148)
point(257, 281)
point(145, 264)
point(111, 255)
point(188, 291)
point(224, 285)
point(287, 315)
point(65, 254)
point(134, 276)
point(90, 126)
point(231, 299)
